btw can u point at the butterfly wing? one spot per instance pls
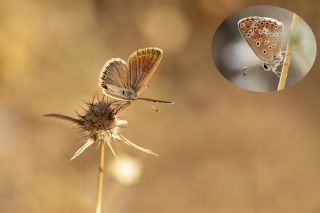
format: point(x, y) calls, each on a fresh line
point(113, 78)
point(264, 36)
point(142, 65)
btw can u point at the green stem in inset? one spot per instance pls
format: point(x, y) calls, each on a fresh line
point(287, 58)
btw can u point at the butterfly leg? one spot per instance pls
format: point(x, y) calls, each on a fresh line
point(276, 72)
point(283, 53)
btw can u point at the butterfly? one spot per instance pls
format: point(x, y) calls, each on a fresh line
point(265, 37)
point(126, 80)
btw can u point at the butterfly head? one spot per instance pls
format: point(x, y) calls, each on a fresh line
point(129, 93)
point(273, 64)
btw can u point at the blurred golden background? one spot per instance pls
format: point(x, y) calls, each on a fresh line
point(222, 149)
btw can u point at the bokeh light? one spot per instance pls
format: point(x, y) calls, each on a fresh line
point(126, 170)
point(166, 27)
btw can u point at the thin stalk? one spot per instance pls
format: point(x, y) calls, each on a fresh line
point(287, 58)
point(100, 178)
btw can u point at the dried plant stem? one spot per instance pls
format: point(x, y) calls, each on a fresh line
point(287, 58)
point(100, 179)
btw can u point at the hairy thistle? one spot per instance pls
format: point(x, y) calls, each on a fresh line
point(100, 122)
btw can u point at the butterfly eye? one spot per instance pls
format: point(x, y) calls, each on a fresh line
point(265, 66)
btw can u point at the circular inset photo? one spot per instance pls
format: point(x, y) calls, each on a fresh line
point(264, 48)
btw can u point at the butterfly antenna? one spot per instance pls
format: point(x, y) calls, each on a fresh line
point(249, 69)
point(244, 68)
point(245, 73)
point(156, 101)
point(155, 109)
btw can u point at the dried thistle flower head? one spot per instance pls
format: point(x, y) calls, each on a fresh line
point(101, 115)
point(101, 124)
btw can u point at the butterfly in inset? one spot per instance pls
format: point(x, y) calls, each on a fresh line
point(265, 37)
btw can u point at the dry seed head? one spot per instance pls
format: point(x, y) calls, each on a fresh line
point(99, 120)
point(101, 115)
